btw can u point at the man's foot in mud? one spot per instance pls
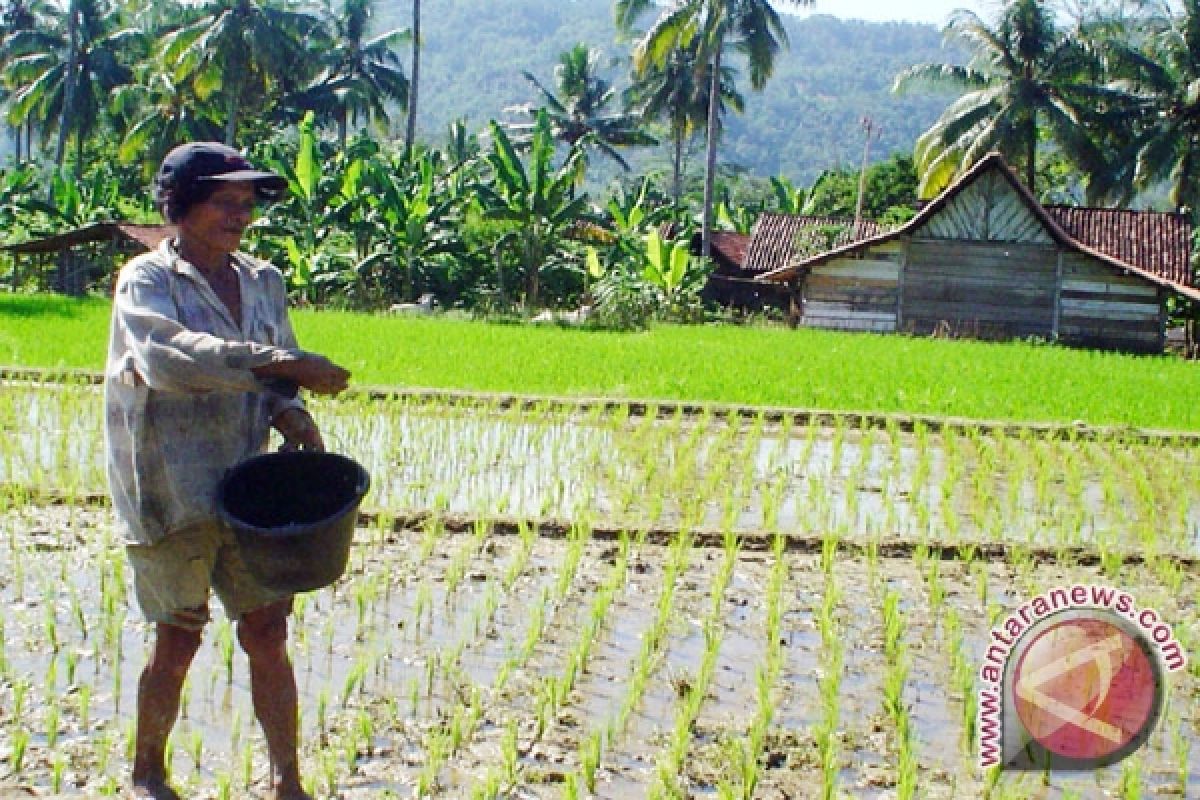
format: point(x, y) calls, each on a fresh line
point(296, 793)
point(153, 789)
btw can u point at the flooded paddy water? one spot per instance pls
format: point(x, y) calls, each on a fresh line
point(572, 600)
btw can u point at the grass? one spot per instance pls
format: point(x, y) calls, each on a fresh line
point(771, 366)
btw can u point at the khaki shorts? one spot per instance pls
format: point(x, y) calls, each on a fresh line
point(173, 576)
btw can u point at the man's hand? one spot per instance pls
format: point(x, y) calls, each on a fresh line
point(311, 371)
point(299, 430)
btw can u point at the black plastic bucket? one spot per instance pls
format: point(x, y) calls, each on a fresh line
point(293, 514)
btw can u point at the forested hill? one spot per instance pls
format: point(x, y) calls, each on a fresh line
point(808, 119)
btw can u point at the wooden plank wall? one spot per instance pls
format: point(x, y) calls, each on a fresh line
point(855, 293)
point(1103, 306)
point(981, 289)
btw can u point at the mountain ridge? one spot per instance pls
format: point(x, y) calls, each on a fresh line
point(808, 119)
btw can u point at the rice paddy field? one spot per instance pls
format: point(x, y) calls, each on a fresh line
point(561, 599)
point(755, 365)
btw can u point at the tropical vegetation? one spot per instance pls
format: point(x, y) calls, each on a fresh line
point(506, 218)
point(1113, 95)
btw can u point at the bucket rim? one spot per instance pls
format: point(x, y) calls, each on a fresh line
point(362, 486)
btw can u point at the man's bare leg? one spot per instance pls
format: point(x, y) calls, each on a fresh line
point(159, 690)
point(263, 635)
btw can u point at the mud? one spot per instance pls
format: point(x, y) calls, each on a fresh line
point(423, 655)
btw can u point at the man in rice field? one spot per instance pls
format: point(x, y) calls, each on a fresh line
point(202, 362)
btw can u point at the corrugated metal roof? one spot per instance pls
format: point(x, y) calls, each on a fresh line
point(146, 236)
point(780, 239)
point(1155, 241)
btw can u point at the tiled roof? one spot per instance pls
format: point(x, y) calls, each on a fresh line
point(730, 247)
point(1156, 242)
point(779, 239)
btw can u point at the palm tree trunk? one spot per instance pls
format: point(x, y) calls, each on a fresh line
point(69, 80)
point(79, 136)
point(710, 156)
point(414, 79)
point(231, 118)
point(1031, 154)
point(677, 166)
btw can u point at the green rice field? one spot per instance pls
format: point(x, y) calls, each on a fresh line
point(749, 366)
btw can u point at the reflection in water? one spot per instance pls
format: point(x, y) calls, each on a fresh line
point(604, 466)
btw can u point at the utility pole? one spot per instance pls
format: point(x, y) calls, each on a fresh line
point(872, 131)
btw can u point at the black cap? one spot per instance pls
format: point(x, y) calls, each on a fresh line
point(197, 162)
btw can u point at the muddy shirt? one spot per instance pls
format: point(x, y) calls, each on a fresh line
point(181, 404)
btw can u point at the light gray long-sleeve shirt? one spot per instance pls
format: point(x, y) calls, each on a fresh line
point(181, 403)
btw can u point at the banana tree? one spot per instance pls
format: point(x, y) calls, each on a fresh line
point(315, 265)
point(534, 196)
point(416, 215)
point(72, 203)
point(671, 269)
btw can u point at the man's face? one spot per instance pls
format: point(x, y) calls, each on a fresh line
point(221, 219)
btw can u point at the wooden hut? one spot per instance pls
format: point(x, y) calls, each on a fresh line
point(775, 241)
point(985, 259)
point(76, 260)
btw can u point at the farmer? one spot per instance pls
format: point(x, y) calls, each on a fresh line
point(200, 360)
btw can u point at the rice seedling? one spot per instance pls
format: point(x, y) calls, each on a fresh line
point(84, 704)
point(654, 637)
point(589, 759)
point(51, 678)
point(829, 684)
point(20, 688)
point(52, 723)
point(224, 786)
point(1130, 785)
point(18, 744)
point(329, 772)
point(1181, 745)
point(742, 755)
point(58, 770)
point(355, 677)
point(670, 763)
point(196, 748)
point(247, 765)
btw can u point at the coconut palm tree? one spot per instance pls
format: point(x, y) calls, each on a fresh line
point(751, 28)
point(257, 49)
point(1158, 108)
point(578, 111)
point(1024, 74)
point(18, 16)
point(677, 92)
point(360, 75)
point(155, 113)
point(65, 68)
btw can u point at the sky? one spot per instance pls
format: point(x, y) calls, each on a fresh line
point(935, 12)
